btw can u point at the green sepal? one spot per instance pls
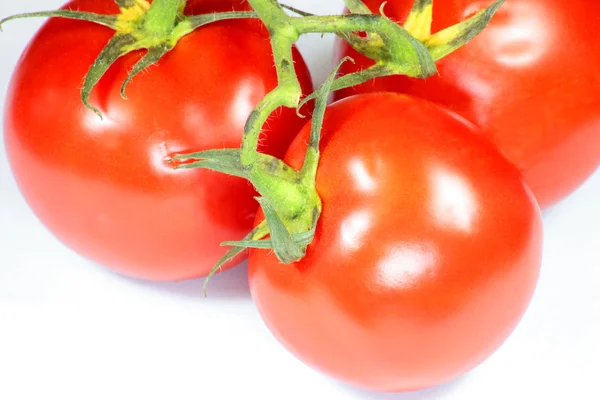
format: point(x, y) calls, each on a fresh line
point(284, 246)
point(259, 232)
point(309, 169)
point(196, 21)
point(230, 156)
point(226, 161)
point(322, 94)
point(420, 19)
point(118, 46)
point(380, 69)
point(152, 57)
point(426, 64)
point(296, 11)
point(292, 247)
point(405, 55)
point(450, 39)
point(100, 19)
point(157, 31)
point(302, 239)
point(353, 79)
point(230, 255)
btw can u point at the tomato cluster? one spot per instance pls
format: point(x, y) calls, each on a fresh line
point(428, 247)
point(105, 186)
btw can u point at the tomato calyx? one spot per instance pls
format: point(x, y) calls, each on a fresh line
point(417, 27)
point(288, 197)
point(446, 41)
point(155, 27)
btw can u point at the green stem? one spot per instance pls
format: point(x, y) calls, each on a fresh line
point(289, 198)
point(288, 91)
point(406, 53)
point(162, 16)
point(390, 43)
point(295, 10)
point(253, 128)
point(106, 20)
point(283, 36)
point(291, 195)
point(270, 12)
point(281, 190)
point(339, 23)
point(357, 7)
point(287, 94)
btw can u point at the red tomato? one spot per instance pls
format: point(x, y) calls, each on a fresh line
point(424, 259)
point(530, 81)
point(104, 187)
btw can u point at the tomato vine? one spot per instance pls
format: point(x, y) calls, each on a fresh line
point(288, 197)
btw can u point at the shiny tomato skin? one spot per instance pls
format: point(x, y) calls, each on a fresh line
point(529, 80)
point(425, 257)
point(105, 187)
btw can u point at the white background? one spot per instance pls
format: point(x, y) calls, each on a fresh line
point(71, 330)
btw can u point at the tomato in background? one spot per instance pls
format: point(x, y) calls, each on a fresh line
point(425, 257)
point(529, 80)
point(104, 187)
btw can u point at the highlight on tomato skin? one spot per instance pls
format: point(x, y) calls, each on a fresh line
point(104, 186)
point(529, 81)
point(426, 255)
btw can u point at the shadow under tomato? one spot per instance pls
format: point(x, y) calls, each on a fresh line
point(434, 393)
point(227, 285)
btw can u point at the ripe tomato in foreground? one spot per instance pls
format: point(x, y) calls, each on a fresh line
point(425, 257)
point(104, 187)
point(529, 81)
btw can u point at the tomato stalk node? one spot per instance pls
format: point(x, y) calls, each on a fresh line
point(162, 17)
point(140, 25)
point(289, 198)
point(452, 38)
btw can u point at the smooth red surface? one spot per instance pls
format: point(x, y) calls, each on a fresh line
point(104, 186)
point(530, 81)
point(425, 257)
